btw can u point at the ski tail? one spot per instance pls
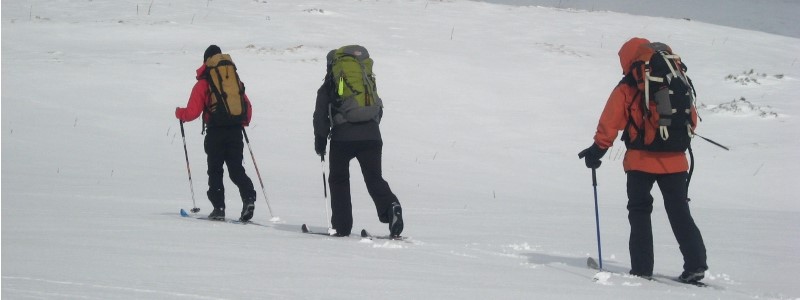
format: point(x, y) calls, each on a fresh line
point(367, 235)
point(592, 264)
point(306, 229)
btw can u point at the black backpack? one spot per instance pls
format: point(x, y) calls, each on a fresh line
point(663, 122)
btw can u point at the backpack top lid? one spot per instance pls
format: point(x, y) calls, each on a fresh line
point(358, 52)
point(646, 51)
point(218, 60)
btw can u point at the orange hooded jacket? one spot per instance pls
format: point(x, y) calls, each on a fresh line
point(615, 117)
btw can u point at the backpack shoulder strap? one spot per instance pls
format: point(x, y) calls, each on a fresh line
point(628, 80)
point(626, 135)
point(216, 90)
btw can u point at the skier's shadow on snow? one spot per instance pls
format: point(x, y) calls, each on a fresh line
point(290, 227)
point(569, 264)
point(298, 228)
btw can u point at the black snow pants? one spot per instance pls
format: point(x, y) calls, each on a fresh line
point(368, 154)
point(640, 205)
point(224, 145)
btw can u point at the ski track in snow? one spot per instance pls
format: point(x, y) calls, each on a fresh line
point(86, 288)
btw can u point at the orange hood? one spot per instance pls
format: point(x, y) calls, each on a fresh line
point(628, 53)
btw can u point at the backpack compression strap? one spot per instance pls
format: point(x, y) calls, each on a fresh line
point(663, 132)
point(686, 82)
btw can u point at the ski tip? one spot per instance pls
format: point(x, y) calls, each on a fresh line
point(184, 213)
point(304, 228)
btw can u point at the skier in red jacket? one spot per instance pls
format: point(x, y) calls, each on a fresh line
point(223, 145)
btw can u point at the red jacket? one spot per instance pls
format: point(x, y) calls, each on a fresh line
point(615, 118)
point(199, 99)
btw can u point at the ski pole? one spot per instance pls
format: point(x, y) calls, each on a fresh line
point(713, 142)
point(257, 172)
point(195, 209)
point(597, 218)
point(325, 189)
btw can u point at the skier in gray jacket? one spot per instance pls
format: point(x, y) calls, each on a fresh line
point(360, 140)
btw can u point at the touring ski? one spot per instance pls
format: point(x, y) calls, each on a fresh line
point(592, 264)
point(366, 234)
point(305, 229)
point(231, 221)
point(694, 283)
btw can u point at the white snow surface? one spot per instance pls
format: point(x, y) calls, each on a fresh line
point(487, 107)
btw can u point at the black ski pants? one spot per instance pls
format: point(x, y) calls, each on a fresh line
point(224, 145)
point(368, 154)
point(640, 205)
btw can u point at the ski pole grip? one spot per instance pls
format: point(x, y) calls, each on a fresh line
point(594, 177)
point(182, 133)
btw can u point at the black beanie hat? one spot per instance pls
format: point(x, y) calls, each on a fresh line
point(211, 51)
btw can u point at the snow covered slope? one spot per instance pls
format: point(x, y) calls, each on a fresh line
point(777, 17)
point(487, 107)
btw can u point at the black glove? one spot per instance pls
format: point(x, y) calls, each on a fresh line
point(592, 156)
point(319, 145)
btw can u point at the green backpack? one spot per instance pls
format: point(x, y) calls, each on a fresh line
point(356, 97)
